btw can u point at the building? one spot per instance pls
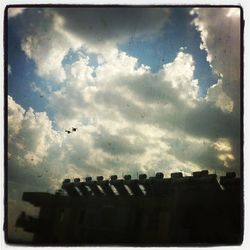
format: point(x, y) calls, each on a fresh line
point(177, 211)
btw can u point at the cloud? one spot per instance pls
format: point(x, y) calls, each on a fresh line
point(45, 42)
point(181, 75)
point(216, 94)
point(222, 42)
point(199, 152)
point(13, 12)
point(220, 35)
point(116, 144)
point(30, 134)
point(122, 100)
point(209, 121)
point(116, 94)
point(54, 32)
point(220, 30)
point(111, 113)
point(37, 89)
point(101, 26)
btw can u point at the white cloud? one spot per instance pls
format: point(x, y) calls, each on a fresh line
point(54, 32)
point(118, 64)
point(220, 35)
point(30, 134)
point(111, 112)
point(13, 12)
point(47, 44)
point(180, 74)
point(219, 97)
point(15, 117)
point(80, 71)
point(37, 89)
point(224, 149)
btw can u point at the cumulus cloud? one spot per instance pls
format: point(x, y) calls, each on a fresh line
point(222, 42)
point(220, 34)
point(47, 43)
point(181, 73)
point(98, 30)
point(115, 95)
point(33, 131)
point(111, 114)
point(220, 30)
point(219, 97)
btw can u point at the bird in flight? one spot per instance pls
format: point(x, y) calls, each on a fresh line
point(70, 131)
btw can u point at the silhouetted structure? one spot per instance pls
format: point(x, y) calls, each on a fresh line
point(146, 211)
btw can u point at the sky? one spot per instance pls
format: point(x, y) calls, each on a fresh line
point(148, 89)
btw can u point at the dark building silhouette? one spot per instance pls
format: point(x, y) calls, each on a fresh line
point(179, 211)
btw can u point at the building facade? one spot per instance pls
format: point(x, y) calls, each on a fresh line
point(176, 211)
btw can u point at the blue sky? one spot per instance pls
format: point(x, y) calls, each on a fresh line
point(23, 72)
point(140, 85)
